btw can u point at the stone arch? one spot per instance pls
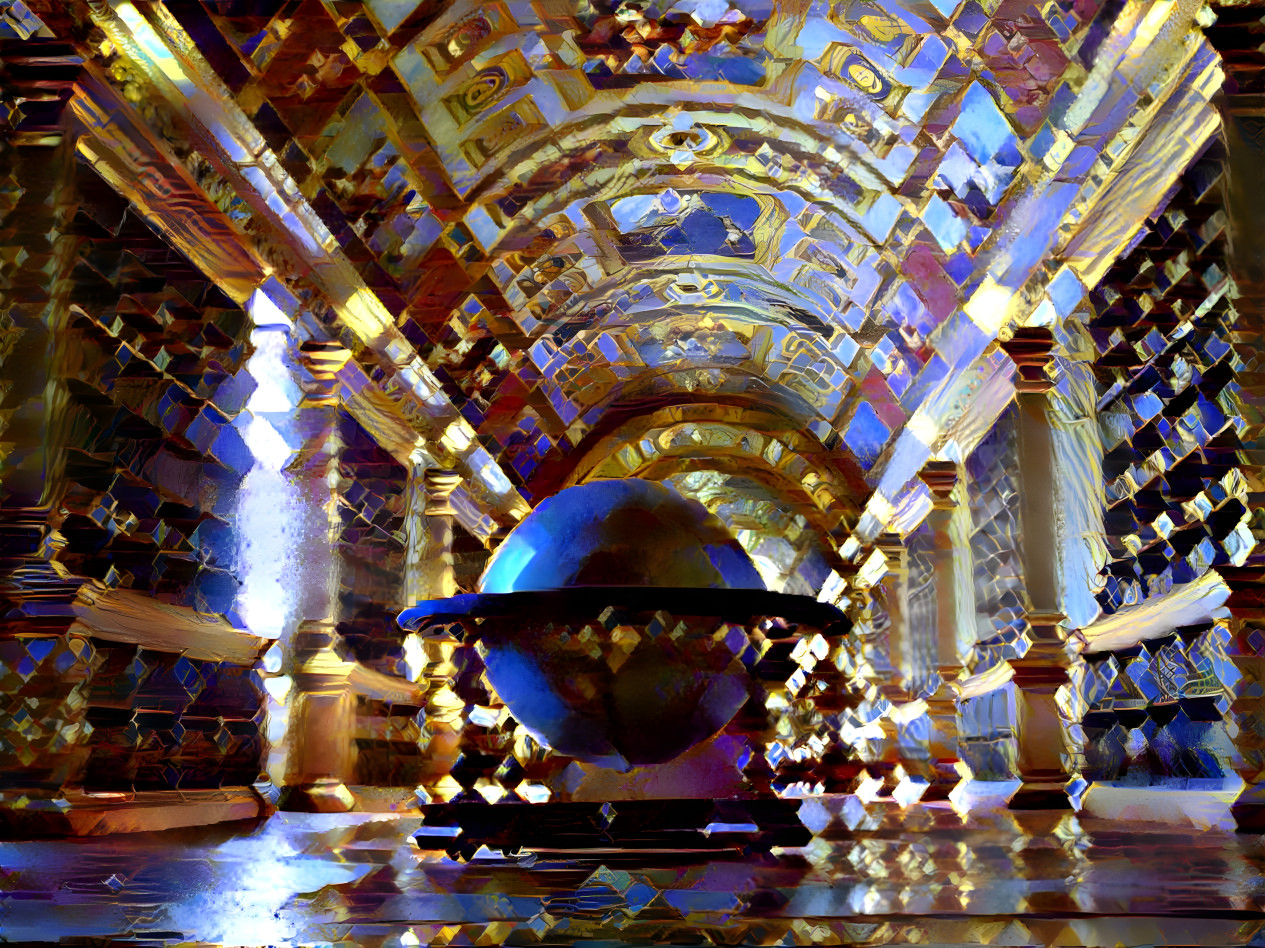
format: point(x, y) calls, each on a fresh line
point(817, 488)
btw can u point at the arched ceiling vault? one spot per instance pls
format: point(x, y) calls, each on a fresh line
point(521, 217)
point(719, 430)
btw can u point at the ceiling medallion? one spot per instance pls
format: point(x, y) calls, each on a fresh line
point(681, 141)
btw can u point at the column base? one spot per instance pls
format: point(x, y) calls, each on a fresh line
point(323, 796)
point(942, 778)
point(1248, 809)
point(1042, 795)
point(971, 795)
point(1248, 817)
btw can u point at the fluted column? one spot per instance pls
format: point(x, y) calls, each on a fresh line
point(415, 586)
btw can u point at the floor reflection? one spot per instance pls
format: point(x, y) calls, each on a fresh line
point(921, 876)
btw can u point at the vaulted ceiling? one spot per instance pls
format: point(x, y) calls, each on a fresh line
point(762, 249)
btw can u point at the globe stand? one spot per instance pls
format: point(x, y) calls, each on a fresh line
point(636, 828)
point(564, 658)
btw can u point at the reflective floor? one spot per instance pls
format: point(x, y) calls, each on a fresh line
point(875, 876)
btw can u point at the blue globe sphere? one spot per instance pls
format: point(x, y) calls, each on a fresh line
point(633, 691)
point(619, 533)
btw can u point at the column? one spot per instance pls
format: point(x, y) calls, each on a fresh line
point(942, 480)
point(430, 572)
point(905, 761)
point(1243, 115)
point(430, 575)
point(316, 758)
point(323, 719)
point(894, 589)
point(1043, 668)
point(875, 585)
point(42, 749)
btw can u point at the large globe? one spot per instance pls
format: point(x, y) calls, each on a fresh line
point(619, 533)
point(629, 687)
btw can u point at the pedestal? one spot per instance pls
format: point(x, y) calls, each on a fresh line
point(322, 721)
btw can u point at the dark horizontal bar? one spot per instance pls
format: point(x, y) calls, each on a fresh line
point(590, 601)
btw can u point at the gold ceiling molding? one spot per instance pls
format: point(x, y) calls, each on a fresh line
point(156, 43)
point(483, 92)
point(740, 430)
point(144, 171)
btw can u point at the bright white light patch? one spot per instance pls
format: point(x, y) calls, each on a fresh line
point(269, 448)
point(278, 688)
point(414, 657)
point(264, 312)
point(988, 307)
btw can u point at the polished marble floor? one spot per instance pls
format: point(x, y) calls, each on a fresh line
point(875, 875)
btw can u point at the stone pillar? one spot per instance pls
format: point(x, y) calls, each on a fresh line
point(430, 575)
point(414, 588)
point(942, 480)
point(429, 558)
point(323, 719)
point(892, 659)
point(894, 589)
point(1243, 115)
point(317, 756)
point(1044, 667)
point(43, 748)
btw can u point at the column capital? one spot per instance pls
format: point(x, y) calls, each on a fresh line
point(894, 547)
point(1031, 349)
point(941, 477)
point(322, 359)
point(314, 635)
point(439, 485)
point(1049, 655)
